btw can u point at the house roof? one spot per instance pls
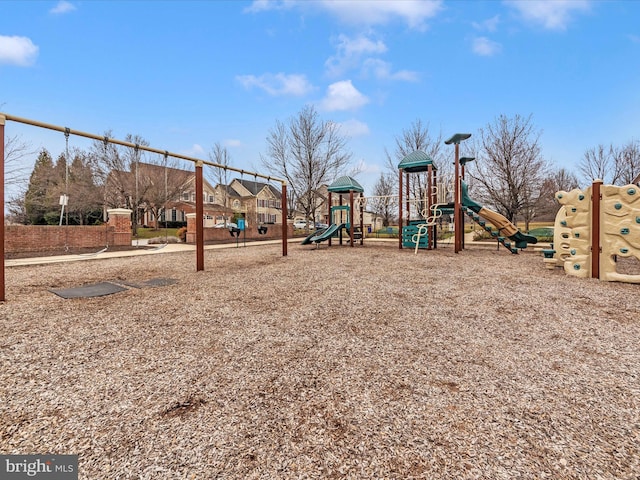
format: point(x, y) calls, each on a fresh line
point(257, 187)
point(344, 185)
point(417, 161)
point(637, 180)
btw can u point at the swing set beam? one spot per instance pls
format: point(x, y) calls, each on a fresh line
point(199, 184)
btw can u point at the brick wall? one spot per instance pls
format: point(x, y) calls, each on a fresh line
point(52, 238)
point(49, 238)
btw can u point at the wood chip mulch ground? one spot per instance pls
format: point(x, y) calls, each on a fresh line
point(354, 363)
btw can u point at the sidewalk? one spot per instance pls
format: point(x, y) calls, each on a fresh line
point(163, 248)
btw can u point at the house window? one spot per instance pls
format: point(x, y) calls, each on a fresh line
point(185, 196)
point(193, 197)
point(211, 199)
point(236, 204)
point(173, 215)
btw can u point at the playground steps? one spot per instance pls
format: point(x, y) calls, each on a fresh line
point(494, 233)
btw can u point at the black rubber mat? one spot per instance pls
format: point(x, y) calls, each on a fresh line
point(87, 291)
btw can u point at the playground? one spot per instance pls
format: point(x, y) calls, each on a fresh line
point(368, 362)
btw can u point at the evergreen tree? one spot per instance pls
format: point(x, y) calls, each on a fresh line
point(40, 197)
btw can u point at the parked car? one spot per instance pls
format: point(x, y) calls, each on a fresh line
point(228, 225)
point(321, 225)
point(301, 225)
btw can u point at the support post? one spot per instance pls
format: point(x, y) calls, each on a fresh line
point(361, 219)
point(400, 210)
point(285, 224)
point(2, 289)
point(330, 217)
point(456, 206)
point(431, 229)
point(351, 228)
point(199, 218)
point(596, 196)
point(458, 220)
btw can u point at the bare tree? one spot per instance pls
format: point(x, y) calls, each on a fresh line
point(385, 198)
point(220, 176)
point(626, 160)
point(15, 153)
point(417, 137)
point(159, 184)
point(307, 152)
point(510, 170)
point(597, 163)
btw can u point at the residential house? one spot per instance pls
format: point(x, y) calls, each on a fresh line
point(169, 194)
point(259, 202)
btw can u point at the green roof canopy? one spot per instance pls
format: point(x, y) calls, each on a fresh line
point(417, 161)
point(345, 184)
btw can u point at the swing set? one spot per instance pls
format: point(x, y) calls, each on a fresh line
point(199, 182)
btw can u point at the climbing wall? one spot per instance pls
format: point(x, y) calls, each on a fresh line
point(572, 232)
point(619, 230)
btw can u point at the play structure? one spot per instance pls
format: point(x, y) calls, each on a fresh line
point(420, 231)
point(342, 217)
point(594, 230)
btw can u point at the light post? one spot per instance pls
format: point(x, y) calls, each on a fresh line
point(457, 210)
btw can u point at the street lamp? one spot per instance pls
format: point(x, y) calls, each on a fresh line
point(457, 210)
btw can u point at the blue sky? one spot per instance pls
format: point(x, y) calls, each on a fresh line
point(187, 74)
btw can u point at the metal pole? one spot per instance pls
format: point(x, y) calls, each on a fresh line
point(596, 197)
point(2, 122)
point(456, 205)
point(79, 133)
point(285, 214)
point(199, 219)
point(400, 210)
point(351, 229)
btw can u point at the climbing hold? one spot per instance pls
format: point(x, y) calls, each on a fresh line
point(580, 197)
point(631, 191)
point(574, 209)
point(573, 251)
point(559, 195)
point(617, 206)
point(563, 223)
point(624, 231)
point(624, 250)
point(577, 234)
point(576, 266)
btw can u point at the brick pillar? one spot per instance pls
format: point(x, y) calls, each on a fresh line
point(191, 227)
point(119, 226)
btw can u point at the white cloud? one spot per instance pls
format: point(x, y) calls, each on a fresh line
point(17, 51)
point(485, 47)
point(195, 151)
point(278, 84)
point(354, 128)
point(258, 6)
point(350, 51)
point(552, 15)
point(489, 25)
point(232, 142)
point(382, 70)
point(62, 7)
point(343, 96)
point(413, 12)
